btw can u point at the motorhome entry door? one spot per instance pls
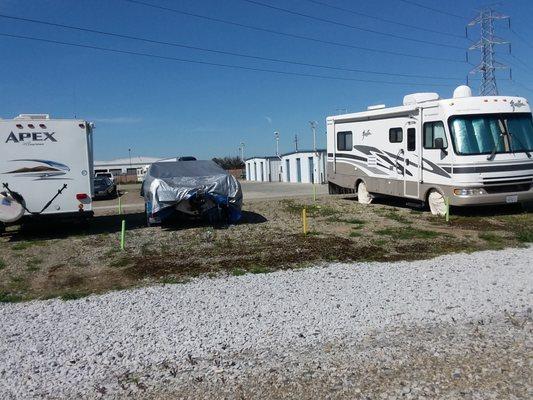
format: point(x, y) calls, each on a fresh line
point(411, 179)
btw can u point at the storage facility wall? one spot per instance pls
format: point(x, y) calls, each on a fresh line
point(304, 167)
point(258, 169)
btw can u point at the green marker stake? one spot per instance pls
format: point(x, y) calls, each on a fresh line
point(123, 234)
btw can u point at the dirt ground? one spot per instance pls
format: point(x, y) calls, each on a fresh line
point(70, 260)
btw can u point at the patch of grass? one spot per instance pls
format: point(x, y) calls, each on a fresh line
point(406, 233)
point(73, 295)
point(24, 245)
point(34, 264)
point(21, 246)
point(313, 210)
point(395, 216)
point(173, 280)
point(490, 237)
point(120, 262)
point(313, 233)
point(6, 297)
point(2, 264)
point(238, 272)
point(524, 234)
point(259, 269)
point(355, 234)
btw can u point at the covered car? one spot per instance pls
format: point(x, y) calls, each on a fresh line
point(198, 188)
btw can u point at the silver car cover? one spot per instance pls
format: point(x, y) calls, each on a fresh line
point(191, 187)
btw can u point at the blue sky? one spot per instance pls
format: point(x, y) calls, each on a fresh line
point(166, 108)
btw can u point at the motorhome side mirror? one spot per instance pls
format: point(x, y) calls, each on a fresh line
point(439, 143)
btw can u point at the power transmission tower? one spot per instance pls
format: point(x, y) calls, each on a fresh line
point(296, 143)
point(488, 65)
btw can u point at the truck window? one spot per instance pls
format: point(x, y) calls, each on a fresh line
point(344, 140)
point(432, 131)
point(411, 139)
point(396, 135)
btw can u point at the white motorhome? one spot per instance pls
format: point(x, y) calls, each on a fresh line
point(472, 150)
point(46, 167)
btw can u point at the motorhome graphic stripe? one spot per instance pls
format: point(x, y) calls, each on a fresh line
point(492, 168)
point(346, 155)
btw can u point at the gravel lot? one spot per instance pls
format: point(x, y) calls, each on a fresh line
point(455, 325)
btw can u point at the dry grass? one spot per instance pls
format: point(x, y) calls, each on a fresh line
point(70, 261)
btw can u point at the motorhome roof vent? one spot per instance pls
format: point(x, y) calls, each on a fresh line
point(33, 116)
point(462, 91)
point(376, 107)
point(415, 98)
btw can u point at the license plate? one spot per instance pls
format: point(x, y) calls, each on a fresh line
point(511, 199)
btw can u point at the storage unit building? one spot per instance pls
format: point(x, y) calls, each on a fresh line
point(263, 169)
point(305, 166)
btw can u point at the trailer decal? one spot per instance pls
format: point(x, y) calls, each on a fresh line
point(41, 172)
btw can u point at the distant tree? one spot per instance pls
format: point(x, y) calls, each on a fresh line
point(229, 162)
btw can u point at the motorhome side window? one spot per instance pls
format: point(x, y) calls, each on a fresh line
point(411, 139)
point(432, 131)
point(395, 135)
point(344, 141)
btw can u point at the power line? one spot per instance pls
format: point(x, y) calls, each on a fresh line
point(338, 23)
point(291, 35)
point(520, 37)
point(249, 56)
point(390, 21)
point(432, 9)
point(232, 66)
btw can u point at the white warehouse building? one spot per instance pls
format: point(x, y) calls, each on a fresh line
point(304, 166)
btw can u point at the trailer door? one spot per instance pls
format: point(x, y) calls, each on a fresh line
point(411, 176)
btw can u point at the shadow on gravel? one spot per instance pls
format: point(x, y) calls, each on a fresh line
point(473, 211)
point(60, 229)
point(181, 223)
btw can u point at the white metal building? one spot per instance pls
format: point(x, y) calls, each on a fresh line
point(304, 166)
point(263, 169)
point(123, 165)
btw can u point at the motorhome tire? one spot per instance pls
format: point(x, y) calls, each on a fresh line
point(363, 196)
point(436, 202)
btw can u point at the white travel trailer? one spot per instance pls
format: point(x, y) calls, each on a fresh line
point(471, 150)
point(46, 167)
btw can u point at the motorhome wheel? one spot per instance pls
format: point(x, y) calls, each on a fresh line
point(363, 196)
point(437, 204)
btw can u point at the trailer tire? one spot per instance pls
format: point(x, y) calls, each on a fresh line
point(363, 196)
point(436, 202)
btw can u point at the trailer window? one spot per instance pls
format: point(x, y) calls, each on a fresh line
point(344, 141)
point(411, 139)
point(432, 131)
point(395, 135)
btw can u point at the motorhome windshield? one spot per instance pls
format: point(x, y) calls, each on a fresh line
point(491, 133)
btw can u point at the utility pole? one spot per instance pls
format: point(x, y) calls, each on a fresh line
point(242, 151)
point(488, 64)
point(296, 142)
point(129, 152)
point(313, 128)
point(276, 136)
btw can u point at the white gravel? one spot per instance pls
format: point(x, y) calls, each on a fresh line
point(94, 346)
